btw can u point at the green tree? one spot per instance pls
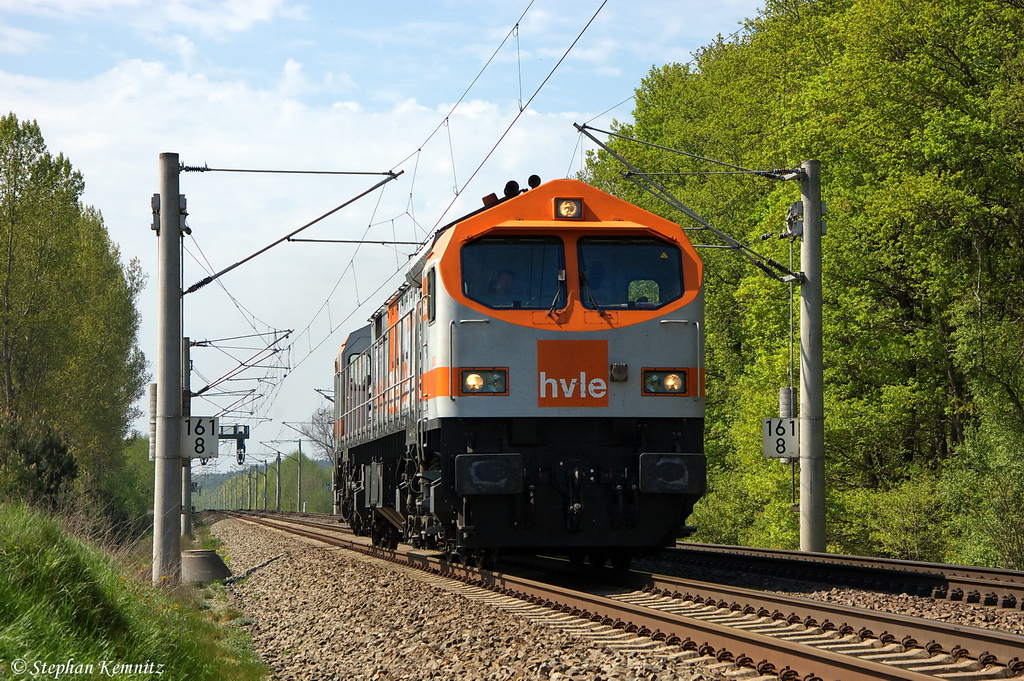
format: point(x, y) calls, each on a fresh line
point(916, 110)
point(68, 322)
point(234, 490)
point(35, 463)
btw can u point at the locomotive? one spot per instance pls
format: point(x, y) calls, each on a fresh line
point(536, 385)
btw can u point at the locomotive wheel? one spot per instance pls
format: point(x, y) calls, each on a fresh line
point(485, 558)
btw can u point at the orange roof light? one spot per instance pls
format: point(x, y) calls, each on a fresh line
point(568, 209)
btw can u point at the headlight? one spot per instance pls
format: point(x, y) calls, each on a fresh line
point(664, 382)
point(483, 381)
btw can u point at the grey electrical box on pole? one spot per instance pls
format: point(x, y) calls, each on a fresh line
point(167, 489)
point(812, 403)
point(152, 421)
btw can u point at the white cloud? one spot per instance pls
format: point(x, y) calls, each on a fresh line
point(20, 41)
point(121, 120)
point(66, 7)
point(213, 17)
point(183, 47)
point(210, 17)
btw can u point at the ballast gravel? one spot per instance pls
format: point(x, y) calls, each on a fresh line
point(319, 613)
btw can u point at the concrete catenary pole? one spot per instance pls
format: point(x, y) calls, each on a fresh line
point(186, 462)
point(167, 490)
point(298, 480)
point(277, 490)
point(812, 404)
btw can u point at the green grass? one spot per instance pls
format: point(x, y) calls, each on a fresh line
point(203, 536)
point(62, 599)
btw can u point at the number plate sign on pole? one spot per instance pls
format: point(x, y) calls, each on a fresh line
point(199, 437)
point(780, 438)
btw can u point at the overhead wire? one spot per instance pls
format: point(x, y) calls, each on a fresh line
point(515, 119)
point(645, 182)
point(207, 169)
point(470, 87)
point(248, 315)
point(446, 122)
point(199, 284)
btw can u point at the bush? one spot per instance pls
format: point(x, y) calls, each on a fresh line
point(35, 464)
point(984, 488)
point(905, 522)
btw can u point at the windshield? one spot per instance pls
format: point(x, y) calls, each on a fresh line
point(515, 272)
point(624, 273)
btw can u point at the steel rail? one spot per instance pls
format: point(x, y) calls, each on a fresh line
point(912, 632)
point(984, 586)
point(798, 661)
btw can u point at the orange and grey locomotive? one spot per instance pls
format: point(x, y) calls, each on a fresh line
point(536, 385)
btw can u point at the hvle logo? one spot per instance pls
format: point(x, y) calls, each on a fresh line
point(596, 387)
point(569, 373)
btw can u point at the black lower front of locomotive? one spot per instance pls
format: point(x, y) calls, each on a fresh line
point(575, 486)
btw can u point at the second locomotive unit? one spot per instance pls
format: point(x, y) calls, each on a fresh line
point(536, 385)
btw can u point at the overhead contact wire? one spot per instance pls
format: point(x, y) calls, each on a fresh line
point(463, 97)
point(198, 285)
point(528, 102)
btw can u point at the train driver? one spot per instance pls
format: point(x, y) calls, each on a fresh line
point(505, 283)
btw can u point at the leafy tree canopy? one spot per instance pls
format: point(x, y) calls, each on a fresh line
point(916, 110)
point(68, 323)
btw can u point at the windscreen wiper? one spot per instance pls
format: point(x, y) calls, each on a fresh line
point(558, 292)
point(590, 296)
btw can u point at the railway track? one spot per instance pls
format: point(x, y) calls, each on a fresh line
point(983, 586)
point(767, 635)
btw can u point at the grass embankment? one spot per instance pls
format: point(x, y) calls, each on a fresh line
point(64, 602)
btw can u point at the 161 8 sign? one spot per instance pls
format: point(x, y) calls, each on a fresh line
point(780, 438)
point(199, 437)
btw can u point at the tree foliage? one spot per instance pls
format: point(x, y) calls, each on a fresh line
point(916, 110)
point(68, 322)
point(245, 489)
point(35, 463)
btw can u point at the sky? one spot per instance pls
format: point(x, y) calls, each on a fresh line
point(458, 96)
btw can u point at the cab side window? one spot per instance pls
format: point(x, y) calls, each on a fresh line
point(430, 290)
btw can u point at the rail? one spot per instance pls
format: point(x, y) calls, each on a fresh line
point(793, 646)
point(992, 587)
